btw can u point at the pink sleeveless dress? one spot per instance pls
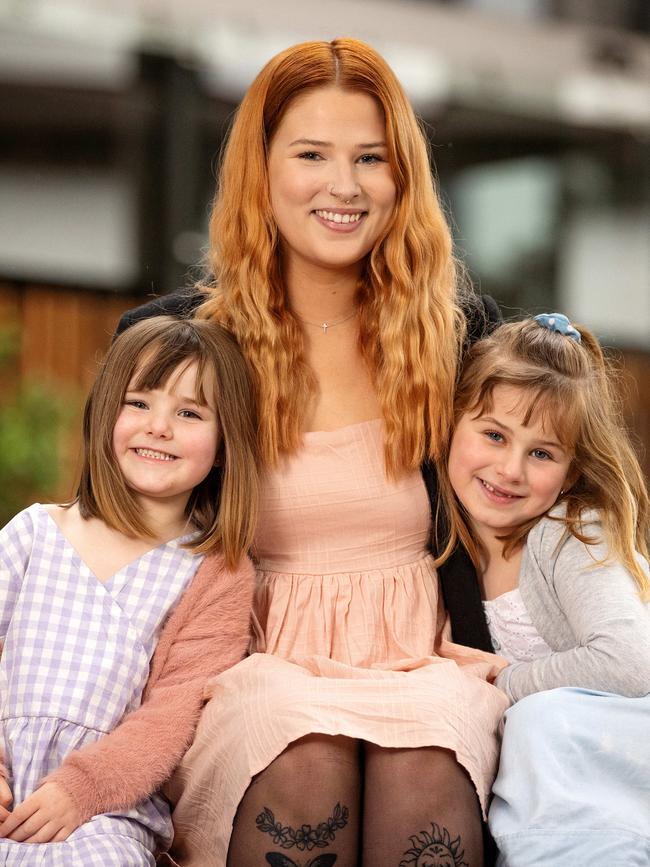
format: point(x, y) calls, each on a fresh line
point(348, 639)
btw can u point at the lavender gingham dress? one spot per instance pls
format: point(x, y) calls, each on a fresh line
point(75, 659)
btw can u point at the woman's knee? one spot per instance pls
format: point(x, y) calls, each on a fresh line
point(309, 796)
point(425, 770)
point(423, 795)
point(319, 756)
point(409, 763)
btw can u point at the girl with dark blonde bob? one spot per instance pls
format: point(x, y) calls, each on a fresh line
point(542, 484)
point(93, 720)
point(356, 731)
point(222, 506)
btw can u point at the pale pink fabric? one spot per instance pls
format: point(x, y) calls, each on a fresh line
point(349, 640)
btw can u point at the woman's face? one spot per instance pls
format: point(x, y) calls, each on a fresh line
point(331, 186)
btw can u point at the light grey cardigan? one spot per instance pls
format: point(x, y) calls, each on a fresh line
point(589, 613)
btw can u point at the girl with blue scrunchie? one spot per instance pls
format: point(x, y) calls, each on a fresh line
point(543, 488)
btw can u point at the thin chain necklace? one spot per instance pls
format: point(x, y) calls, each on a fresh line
point(326, 325)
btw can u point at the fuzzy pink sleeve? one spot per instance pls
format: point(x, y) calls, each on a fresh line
point(208, 632)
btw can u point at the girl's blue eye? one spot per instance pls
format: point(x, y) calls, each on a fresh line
point(494, 435)
point(541, 454)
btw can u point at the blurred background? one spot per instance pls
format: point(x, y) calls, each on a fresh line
point(112, 114)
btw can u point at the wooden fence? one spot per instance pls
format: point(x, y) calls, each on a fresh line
point(58, 336)
point(636, 384)
point(63, 332)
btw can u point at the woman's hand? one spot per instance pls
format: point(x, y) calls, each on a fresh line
point(5, 799)
point(47, 816)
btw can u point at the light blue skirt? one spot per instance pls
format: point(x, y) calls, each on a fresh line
point(573, 788)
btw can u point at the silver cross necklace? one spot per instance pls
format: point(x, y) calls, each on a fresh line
point(325, 325)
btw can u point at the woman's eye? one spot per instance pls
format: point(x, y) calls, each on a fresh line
point(494, 435)
point(310, 155)
point(371, 159)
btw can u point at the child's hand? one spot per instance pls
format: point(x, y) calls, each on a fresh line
point(47, 816)
point(5, 799)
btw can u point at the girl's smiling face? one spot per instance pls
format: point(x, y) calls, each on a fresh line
point(165, 440)
point(331, 185)
point(506, 473)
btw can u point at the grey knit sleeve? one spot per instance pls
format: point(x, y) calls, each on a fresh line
point(590, 613)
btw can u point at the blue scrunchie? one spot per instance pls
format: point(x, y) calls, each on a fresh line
point(558, 322)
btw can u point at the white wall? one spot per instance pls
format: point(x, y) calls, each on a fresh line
point(605, 274)
point(67, 227)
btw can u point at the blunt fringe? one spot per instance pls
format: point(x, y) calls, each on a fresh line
point(223, 507)
point(411, 326)
point(575, 391)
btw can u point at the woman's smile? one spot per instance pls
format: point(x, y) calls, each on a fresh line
point(340, 221)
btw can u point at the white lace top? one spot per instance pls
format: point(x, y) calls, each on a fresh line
point(513, 635)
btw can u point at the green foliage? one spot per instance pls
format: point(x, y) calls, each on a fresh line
point(32, 419)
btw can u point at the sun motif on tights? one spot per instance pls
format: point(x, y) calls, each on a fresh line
point(435, 849)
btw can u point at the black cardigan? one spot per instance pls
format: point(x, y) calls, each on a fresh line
point(460, 589)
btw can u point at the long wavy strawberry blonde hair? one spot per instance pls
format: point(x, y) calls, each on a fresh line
point(411, 327)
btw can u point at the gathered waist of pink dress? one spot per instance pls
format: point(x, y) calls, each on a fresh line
point(332, 564)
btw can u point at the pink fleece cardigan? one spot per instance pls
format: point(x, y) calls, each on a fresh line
point(208, 631)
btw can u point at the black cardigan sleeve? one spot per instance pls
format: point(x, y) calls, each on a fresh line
point(181, 304)
point(459, 584)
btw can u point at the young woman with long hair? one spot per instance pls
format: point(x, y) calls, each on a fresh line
point(355, 732)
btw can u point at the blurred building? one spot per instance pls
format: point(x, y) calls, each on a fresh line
point(538, 112)
point(112, 113)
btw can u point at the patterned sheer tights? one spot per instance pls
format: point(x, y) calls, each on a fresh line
point(334, 801)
